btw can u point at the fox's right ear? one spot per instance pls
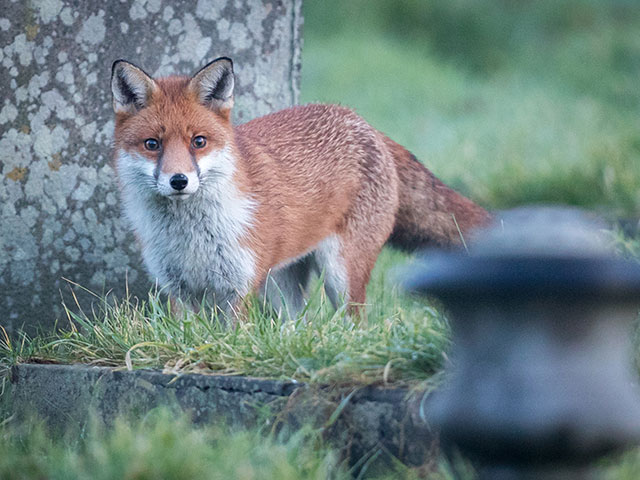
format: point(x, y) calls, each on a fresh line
point(131, 87)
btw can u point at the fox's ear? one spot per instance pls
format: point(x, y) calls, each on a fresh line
point(213, 85)
point(131, 87)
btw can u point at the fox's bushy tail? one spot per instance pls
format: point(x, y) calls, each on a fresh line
point(430, 214)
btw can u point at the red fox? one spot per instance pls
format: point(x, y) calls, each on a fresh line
point(223, 210)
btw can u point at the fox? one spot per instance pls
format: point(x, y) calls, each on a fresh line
point(223, 210)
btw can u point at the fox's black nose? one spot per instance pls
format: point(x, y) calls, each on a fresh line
point(178, 181)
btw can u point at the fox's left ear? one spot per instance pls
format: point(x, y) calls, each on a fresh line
point(213, 85)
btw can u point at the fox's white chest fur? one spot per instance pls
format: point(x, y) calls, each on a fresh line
point(192, 247)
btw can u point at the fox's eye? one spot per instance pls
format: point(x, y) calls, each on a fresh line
point(151, 144)
point(199, 142)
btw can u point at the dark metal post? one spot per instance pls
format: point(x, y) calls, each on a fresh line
point(541, 381)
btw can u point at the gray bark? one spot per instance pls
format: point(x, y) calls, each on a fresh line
point(59, 207)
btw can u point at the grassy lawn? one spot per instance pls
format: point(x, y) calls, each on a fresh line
point(402, 342)
point(163, 446)
point(510, 102)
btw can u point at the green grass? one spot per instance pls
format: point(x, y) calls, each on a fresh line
point(402, 342)
point(511, 102)
point(164, 446)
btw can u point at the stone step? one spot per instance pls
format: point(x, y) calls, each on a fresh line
point(359, 421)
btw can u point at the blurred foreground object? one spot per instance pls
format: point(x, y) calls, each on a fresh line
point(541, 381)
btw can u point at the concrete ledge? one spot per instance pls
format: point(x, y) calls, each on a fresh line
point(372, 418)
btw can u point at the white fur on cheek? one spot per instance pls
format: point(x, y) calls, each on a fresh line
point(219, 163)
point(138, 187)
point(216, 177)
point(133, 168)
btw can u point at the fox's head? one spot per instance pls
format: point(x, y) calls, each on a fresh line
point(171, 134)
